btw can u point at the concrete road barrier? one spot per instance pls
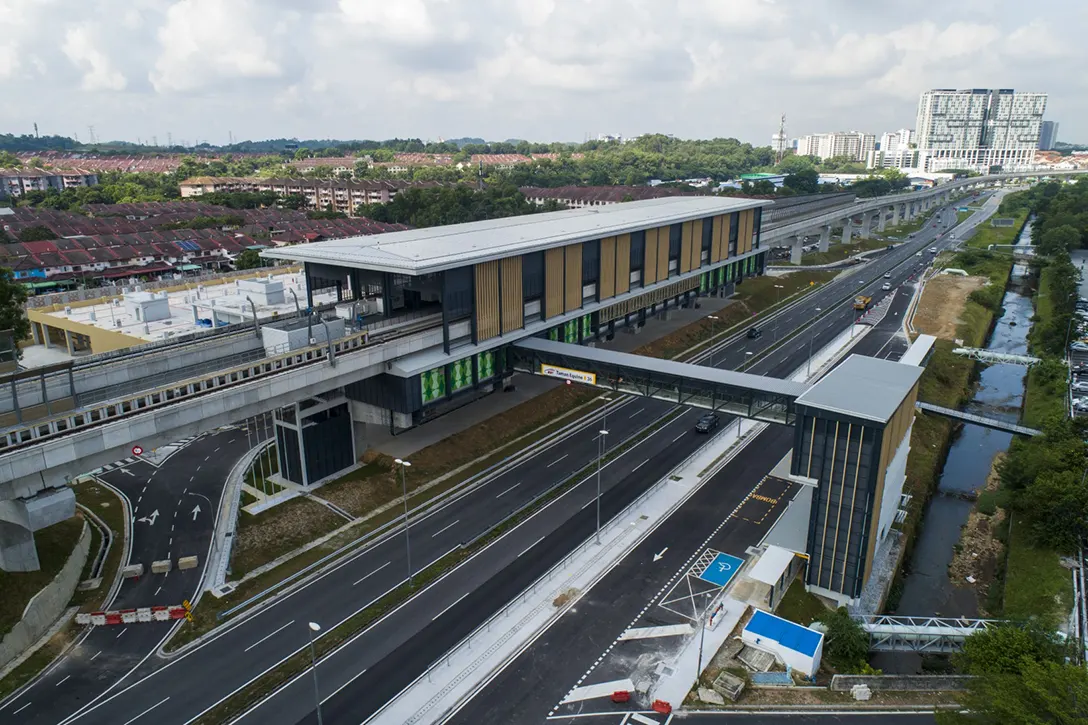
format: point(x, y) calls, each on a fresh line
point(133, 571)
point(187, 562)
point(161, 567)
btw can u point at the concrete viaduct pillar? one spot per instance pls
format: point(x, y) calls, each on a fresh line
point(825, 237)
point(21, 517)
point(796, 242)
point(881, 220)
point(847, 229)
point(866, 219)
point(900, 213)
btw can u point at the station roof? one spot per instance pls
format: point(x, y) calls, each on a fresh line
point(423, 251)
point(863, 387)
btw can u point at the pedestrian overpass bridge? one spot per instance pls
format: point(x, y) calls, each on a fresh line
point(924, 635)
point(980, 420)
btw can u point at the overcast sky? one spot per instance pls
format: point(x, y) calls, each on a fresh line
point(537, 69)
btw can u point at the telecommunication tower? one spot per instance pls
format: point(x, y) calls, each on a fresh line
point(780, 141)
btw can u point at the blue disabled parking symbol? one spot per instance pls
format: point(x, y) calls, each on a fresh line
point(722, 570)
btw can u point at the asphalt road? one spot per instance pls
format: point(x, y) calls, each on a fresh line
point(532, 686)
point(766, 718)
point(174, 508)
point(187, 686)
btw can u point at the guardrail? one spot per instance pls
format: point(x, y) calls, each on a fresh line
point(21, 436)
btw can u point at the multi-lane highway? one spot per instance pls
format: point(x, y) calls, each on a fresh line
point(174, 505)
point(370, 668)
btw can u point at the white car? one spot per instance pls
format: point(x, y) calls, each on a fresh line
point(1079, 346)
point(918, 254)
point(886, 286)
point(1079, 387)
point(932, 250)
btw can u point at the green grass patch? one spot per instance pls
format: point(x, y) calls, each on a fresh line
point(839, 252)
point(106, 506)
point(1044, 396)
point(987, 234)
point(261, 538)
point(54, 544)
point(962, 216)
point(799, 606)
point(1037, 586)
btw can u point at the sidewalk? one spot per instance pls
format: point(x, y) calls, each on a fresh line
point(464, 670)
point(527, 387)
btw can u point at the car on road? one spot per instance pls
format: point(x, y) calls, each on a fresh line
point(887, 275)
point(1080, 404)
point(754, 333)
point(932, 250)
point(1079, 387)
point(918, 254)
point(886, 286)
point(707, 423)
point(1079, 346)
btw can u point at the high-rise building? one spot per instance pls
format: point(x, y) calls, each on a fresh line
point(855, 145)
point(896, 150)
point(979, 129)
point(1048, 135)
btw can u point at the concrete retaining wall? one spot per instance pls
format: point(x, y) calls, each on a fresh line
point(901, 683)
point(44, 609)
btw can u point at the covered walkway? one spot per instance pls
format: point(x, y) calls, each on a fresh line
point(751, 396)
point(991, 423)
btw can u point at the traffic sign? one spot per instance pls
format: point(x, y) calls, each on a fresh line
point(721, 570)
point(137, 451)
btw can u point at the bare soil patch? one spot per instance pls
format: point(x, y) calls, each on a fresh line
point(943, 301)
point(980, 553)
point(275, 532)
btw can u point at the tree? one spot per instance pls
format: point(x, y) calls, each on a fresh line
point(37, 233)
point(248, 259)
point(803, 181)
point(13, 306)
point(1043, 692)
point(293, 201)
point(846, 644)
point(1002, 650)
point(9, 160)
point(1063, 239)
point(1056, 503)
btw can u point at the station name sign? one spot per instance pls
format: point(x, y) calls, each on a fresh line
point(575, 376)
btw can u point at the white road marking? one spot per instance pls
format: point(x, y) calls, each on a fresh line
point(531, 546)
point(373, 572)
point(509, 490)
point(636, 413)
point(446, 528)
point(191, 478)
point(450, 606)
point(587, 503)
point(21, 709)
point(206, 458)
point(62, 681)
point(121, 632)
point(262, 639)
point(601, 689)
point(147, 711)
point(557, 460)
point(154, 595)
point(640, 465)
point(96, 655)
point(679, 436)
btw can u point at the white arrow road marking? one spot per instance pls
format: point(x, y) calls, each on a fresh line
point(661, 554)
point(150, 519)
point(196, 511)
point(125, 470)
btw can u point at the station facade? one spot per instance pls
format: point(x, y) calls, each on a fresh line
point(574, 276)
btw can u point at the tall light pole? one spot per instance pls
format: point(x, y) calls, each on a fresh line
point(600, 449)
point(404, 492)
point(811, 332)
point(777, 301)
point(747, 359)
point(604, 418)
point(713, 335)
point(315, 627)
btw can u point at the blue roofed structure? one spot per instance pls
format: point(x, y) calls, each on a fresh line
point(798, 647)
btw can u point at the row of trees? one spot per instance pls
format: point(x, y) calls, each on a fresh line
point(436, 206)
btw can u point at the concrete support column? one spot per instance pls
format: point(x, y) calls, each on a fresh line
point(795, 249)
point(17, 552)
point(45, 336)
point(825, 237)
point(881, 220)
point(36, 332)
point(900, 213)
point(847, 230)
point(68, 342)
point(865, 222)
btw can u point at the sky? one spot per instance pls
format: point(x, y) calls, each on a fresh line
point(543, 70)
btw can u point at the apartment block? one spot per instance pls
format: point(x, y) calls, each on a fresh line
point(16, 182)
point(855, 145)
point(342, 196)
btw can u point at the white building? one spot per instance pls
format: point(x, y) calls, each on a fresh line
point(896, 150)
point(856, 145)
point(979, 129)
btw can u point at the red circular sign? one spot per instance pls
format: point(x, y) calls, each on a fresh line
point(137, 451)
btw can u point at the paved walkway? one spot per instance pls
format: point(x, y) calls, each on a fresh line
point(527, 387)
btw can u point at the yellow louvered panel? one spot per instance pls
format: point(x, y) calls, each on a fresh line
point(574, 276)
point(487, 300)
point(685, 247)
point(623, 264)
point(607, 283)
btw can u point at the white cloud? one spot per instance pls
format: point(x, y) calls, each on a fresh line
point(98, 72)
point(207, 42)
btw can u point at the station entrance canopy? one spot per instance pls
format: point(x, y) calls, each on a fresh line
point(743, 394)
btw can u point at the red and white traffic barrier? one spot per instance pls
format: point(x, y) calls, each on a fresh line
point(132, 616)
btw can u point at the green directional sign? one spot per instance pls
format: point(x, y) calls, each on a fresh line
point(485, 365)
point(433, 384)
point(570, 332)
point(703, 282)
point(553, 334)
point(461, 374)
point(587, 327)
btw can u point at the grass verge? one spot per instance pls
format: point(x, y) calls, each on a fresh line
point(54, 544)
point(987, 234)
point(839, 252)
point(256, 690)
point(263, 537)
point(107, 506)
point(1037, 586)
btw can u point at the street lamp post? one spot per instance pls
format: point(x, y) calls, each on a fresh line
point(713, 336)
point(404, 492)
point(600, 450)
point(811, 332)
point(747, 359)
point(315, 627)
point(777, 301)
point(604, 418)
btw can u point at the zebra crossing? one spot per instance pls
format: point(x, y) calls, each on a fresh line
point(151, 457)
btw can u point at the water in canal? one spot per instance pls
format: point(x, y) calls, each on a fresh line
point(927, 590)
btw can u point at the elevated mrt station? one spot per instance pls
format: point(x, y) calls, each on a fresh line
point(574, 276)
